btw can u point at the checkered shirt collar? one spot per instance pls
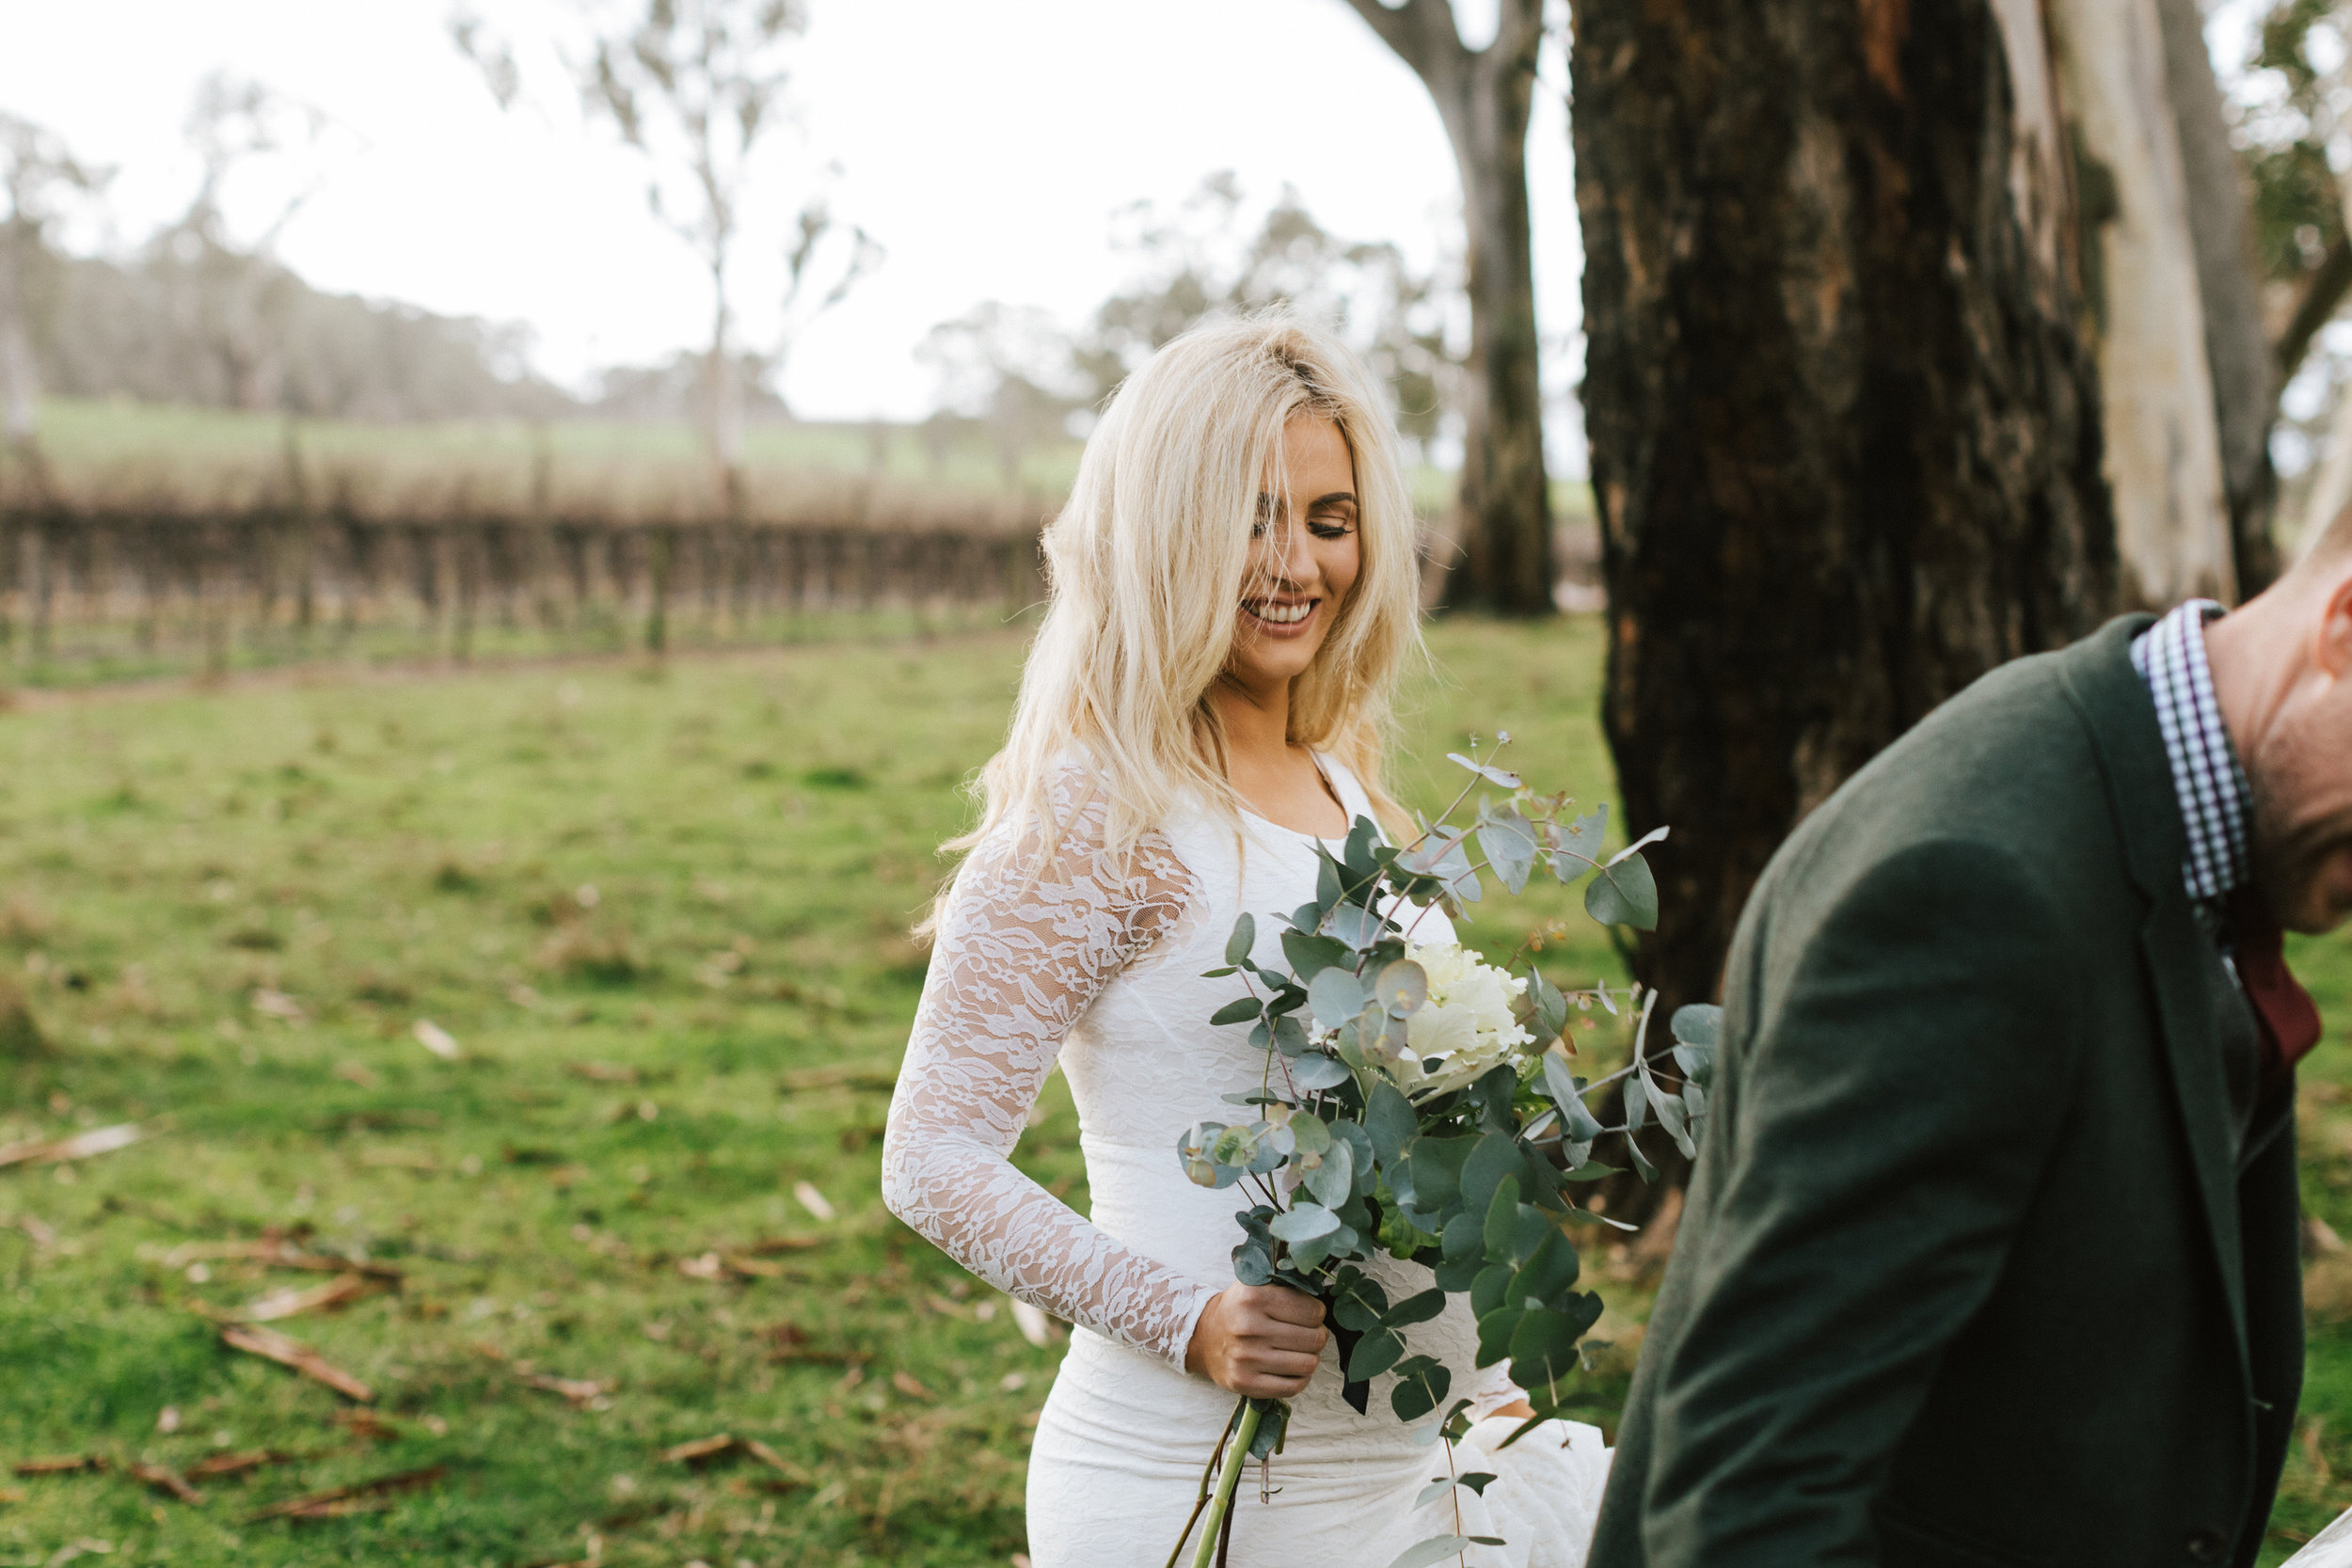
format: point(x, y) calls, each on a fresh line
point(2170, 658)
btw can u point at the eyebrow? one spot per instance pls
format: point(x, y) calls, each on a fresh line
point(1334, 498)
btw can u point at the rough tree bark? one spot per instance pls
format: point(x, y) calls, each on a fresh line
point(1845, 435)
point(1484, 97)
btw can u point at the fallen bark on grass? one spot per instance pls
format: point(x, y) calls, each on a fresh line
point(162, 1479)
point(340, 1291)
point(337, 1502)
point(61, 1464)
point(271, 1345)
point(82, 1146)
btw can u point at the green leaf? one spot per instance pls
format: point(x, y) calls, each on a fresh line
point(1437, 1164)
point(1356, 926)
point(1490, 1289)
point(1357, 1301)
point(1310, 1134)
point(1699, 1024)
point(1503, 776)
point(1697, 1063)
point(1359, 1144)
point(1375, 1352)
point(1422, 1384)
point(1289, 1036)
point(1245, 937)
point(1253, 1264)
point(1550, 1269)
point(1335, 996)
point(1309, 955)
point(1509, 841)
point(1328, 892)
point(1579, 847)
point(1494, 1159)
point(1305, 1223)
point(1495, 1328)
point(1579, 1124)
point(1550, 1007)
point(1237, 1012)
point(1306, 917)
point(1414, 1309)
point(1400, 988)
point(1625, 894)
point(1500, 1215)
point(1477, 1480)
point(1669, 1117)
point(1315, 1071)
point(1333, 1182)
point(1640, 1162)
point(1436, 1549)
point(1636, 1104)
point(1389, 1121)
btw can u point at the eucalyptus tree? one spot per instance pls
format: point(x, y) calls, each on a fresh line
point(701, 88)
point(1485, 98)
point(40, 178)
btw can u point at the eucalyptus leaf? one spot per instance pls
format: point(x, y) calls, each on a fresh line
point(1414, 1309)
point(1436, 1549)
point(1699, 1024)
point(1245, 937)
point(1356, 926)
point(1389, 1121)
point(1328, 892)
point(1437, 1164)
point(1237, 1012)
point(1310, 1134)
point(1290, 1036)
point(1422, 1384)
point(1494, 1159)
point(1305, 1223)
point(1402, 987)
point(1315, 1071)
point(1578, 847)
point(1624, 894)
point(1503, 776)
point(1636, 1104)
point(1375, 1352)
point(1335, 996)
point(1309, 955)
point(1333, 1181)
point(1509, 841)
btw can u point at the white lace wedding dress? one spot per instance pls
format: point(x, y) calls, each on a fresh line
point(1100, 964)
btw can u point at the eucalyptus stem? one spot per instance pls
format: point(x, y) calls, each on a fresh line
point(1236, 1457)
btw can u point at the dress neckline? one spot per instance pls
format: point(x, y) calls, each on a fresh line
point(1339, 799)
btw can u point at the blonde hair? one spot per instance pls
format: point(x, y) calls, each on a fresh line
point(1145, 567)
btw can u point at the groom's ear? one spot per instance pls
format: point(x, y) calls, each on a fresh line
point(2331, 649)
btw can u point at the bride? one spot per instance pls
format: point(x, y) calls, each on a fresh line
point(1234, 591)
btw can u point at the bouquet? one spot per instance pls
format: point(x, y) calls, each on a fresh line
point(1420, 1102)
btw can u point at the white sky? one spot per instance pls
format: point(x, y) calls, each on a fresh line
point(984, 142)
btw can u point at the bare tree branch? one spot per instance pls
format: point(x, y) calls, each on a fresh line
point(1421, 32)
point(2322, 295)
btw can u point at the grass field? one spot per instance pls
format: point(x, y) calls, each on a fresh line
point(661, 916)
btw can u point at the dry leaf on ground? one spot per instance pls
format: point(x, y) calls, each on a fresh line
point(813, 1200)
point(271, 1345)
point(602, 1073)
point(278, 1254)
point(352, 1072)
point(367, 1424)
point(287, 1301)
point(906, 1384)
point(164, 1479)
point(788, 1244)
point(436, 1040)
point(583, 1393)
point(701, 1450)
point(49, 1152)
point(276, 1004)
point(875, 1080)
point(336, 1502)
point(61, 1464)
point(222, 1466)
point(775, 1461)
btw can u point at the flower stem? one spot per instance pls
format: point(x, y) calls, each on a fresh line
point(1237, 1456)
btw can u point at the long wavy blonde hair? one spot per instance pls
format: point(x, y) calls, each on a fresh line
point(1146, 568)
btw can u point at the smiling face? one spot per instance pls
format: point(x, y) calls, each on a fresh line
point(1305, 551)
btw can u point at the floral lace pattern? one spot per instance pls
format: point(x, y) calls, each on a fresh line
point(1021, 953)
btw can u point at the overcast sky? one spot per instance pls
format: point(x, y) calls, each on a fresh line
point(985, 143)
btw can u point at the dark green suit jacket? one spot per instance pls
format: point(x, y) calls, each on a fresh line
point(1973, 1269)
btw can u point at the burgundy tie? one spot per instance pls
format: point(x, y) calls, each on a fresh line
point(2288, 1015)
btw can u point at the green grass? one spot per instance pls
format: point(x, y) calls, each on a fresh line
point(758, 834)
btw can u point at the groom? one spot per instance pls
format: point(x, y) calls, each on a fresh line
point(1991, 1254)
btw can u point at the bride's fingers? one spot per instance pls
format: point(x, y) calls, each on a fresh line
point(1287, 1305)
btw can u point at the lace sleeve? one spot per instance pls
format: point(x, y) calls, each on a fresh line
point(1019, 959)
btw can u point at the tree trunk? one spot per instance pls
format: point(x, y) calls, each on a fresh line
point(2237, 350)
point(1484, 97)
point(2140, 285)
point(1845, 436)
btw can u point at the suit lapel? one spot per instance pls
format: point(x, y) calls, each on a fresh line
point(2122, 717)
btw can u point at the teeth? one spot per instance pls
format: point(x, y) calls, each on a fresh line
point(1278, 615)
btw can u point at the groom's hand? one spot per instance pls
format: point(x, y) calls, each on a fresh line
point(1258, 1339)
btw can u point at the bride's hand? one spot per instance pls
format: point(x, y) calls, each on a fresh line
point(1258, 1339)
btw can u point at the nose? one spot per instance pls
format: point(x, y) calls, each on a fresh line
point(1295, 551)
